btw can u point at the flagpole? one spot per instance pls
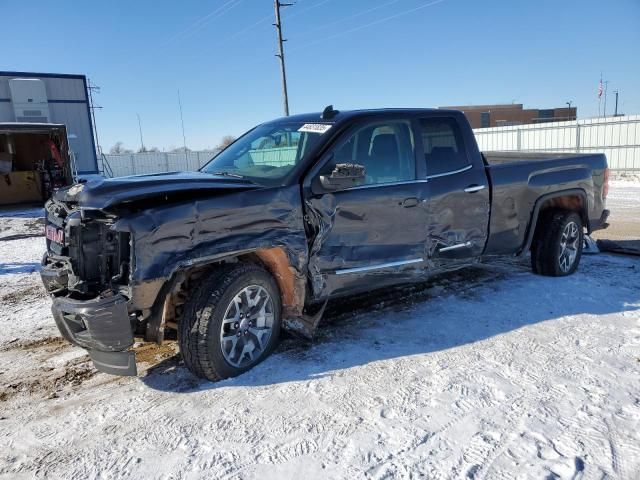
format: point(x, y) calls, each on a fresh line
point(599, 103)
point(600, 96)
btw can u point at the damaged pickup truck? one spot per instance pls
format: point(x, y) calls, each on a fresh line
point(295, 212)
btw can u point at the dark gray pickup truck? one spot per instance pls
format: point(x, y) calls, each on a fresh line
point(295, 212)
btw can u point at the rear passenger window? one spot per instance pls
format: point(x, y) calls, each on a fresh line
point(443, 147)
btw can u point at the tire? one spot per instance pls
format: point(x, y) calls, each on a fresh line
point(217, 340)
point(557, 245)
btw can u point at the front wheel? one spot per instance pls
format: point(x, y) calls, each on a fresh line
point(231, 322)
point(557, 245)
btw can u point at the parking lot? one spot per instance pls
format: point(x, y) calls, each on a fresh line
point(455, 379)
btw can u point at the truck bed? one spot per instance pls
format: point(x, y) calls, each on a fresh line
point(519, 179)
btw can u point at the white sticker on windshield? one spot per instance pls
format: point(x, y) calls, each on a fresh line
point(314, 128)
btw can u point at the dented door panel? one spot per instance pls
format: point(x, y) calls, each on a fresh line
point(458, 220)
point(366, 228)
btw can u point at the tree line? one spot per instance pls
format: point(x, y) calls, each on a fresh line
point(119, 149)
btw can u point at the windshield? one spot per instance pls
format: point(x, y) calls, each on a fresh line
point(267, 153)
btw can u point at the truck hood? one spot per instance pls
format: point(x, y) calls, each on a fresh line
point(101, 193)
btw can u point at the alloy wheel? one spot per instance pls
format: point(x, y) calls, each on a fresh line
point(247, 326)
point(568, 246)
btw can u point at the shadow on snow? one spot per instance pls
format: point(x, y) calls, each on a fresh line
point(19, 267)
point(464, 307)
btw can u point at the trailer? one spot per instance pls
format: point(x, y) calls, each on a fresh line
point(46, 134)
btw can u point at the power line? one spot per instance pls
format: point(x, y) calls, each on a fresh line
point(250, 27)
point(350, 17)
point(202, 22)
point(371, 24)
point(305, 10)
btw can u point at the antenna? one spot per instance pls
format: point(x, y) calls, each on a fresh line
point(184, 139)
point(92, 107)
point(142, 149)
point(328, 113)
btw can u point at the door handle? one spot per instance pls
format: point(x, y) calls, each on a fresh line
point(474, 188)
point(410, 202)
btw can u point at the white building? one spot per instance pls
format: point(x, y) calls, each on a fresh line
point(52, 98)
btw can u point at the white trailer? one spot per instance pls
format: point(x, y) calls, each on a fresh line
point(52, 98)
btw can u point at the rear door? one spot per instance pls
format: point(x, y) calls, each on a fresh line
point(458, 206)
point(372, 234)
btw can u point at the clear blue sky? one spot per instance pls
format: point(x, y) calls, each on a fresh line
point(351, 53)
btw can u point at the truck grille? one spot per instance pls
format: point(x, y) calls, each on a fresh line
point(97, 255)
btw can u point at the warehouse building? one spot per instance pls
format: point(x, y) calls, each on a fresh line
point(502, 115)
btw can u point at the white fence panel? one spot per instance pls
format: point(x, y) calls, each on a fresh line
point(616, 137)
point(156, 162)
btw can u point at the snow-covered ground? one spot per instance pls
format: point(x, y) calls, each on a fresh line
point(489, 373)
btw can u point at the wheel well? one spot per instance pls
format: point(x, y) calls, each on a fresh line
point(291, 284)
point(170, 303)
point(574, 200)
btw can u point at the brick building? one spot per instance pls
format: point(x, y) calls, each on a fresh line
point(483, 116)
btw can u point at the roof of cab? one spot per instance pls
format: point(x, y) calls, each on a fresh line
point(343, 115)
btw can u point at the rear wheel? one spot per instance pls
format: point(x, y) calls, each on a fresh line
point(557, 245)
point(231, 322)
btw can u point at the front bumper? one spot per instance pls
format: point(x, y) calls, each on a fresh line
point(102, 326)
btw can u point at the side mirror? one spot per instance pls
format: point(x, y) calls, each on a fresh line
point(344, 175)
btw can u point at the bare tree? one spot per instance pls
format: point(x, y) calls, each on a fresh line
point(226, 141)
point(118, 149)
point(148, 150)
point(180, 150)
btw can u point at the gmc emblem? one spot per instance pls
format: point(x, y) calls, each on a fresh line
point(54, 234)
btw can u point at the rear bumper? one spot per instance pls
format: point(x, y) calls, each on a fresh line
point(102, 326)
point(600, 223)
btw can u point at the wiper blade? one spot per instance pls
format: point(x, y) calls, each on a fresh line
point(228, 174)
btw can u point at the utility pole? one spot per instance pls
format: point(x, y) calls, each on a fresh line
point(90, 89)
point(140, 128)
point(184, 139)
point(285, 97)
point(569, 112)
point(615, 114)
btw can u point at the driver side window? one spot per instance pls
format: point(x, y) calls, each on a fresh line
point(385, 150)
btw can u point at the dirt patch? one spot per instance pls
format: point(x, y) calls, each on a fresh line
point(21, 295)
point(51, 343)
point(153, 353)
point(74, 375)
point(46, 383)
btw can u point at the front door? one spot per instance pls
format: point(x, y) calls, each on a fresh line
point(374, 233)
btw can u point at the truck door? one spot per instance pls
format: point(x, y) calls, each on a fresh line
point(368, 235)
point(458, 205)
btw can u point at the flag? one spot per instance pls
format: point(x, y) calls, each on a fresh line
point(600, 89)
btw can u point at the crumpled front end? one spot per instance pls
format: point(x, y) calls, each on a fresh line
point(102, 327)
point(85, 270)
